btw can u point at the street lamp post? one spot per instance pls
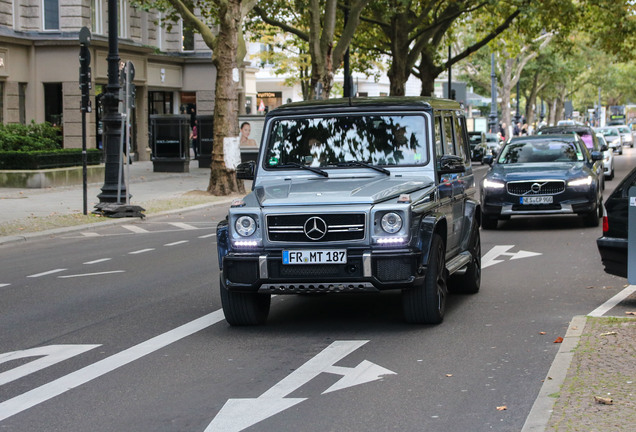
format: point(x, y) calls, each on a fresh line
point(493, 122)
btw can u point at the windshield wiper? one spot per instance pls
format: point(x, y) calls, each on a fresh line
point(364, 164)
point(297, 165)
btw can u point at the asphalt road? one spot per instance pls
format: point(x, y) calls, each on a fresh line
point(120, 328)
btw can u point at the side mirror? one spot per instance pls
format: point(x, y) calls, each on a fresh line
point(245, 170)
point(450, 164)
point(488, 159)
point(604, 147)
point(597, 156)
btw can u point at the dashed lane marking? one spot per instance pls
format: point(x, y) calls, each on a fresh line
point(176, 243)
point(4, 285)
point(46, 273)
point(91, 274)
point(97, 261)
point(140, 251)
point(207, 236)
point(182, 225)
point(608, 305)
point(91, 234)
point(135, 229)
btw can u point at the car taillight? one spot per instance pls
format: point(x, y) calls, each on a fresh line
point(605, 224)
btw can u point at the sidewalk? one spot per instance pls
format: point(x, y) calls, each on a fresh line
point(597, 357)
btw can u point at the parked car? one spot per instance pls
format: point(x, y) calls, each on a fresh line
point(612, 137)
point(477, 141)
point(353, 196)
point(588, 136)
point(626, 135)
point(542, 175)
point(608, 158)
point(493, 143)
point(613, 244)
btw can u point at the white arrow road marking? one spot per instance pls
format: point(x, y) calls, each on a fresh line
point(46, 273)
point(52, 354)
point(239, 414)
point(182, 225)
point(488, 259)
point(75, 379)
point(91, 274)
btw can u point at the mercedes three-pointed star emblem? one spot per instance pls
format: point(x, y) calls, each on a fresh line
point(315, 228)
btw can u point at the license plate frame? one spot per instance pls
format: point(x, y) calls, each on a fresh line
point(537, 200)
point(314, 256)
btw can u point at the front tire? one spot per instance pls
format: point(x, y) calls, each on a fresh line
point(244, 309)
point(592, 218)
point(426, 303)
point(489, 222)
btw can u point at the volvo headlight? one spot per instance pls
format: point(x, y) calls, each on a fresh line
point(245, 226)
point(586, 181)
point(391, 222)
point(490, 184)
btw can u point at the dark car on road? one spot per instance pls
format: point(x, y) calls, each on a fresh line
point(355, 195)
point(477, 141)
point(613, 244)
point(542, 175)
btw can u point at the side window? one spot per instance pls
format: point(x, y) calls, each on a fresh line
point(439, 137)
point(463, 148)
point(448, 135)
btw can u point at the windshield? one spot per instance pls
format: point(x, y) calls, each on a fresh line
point(391, 140)
point(474, 138)
point(540, 151)
point(609, 132)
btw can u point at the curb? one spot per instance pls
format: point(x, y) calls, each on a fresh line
point(537, 420)
point(7, 240)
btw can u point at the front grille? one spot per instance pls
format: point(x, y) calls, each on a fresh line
point(278, 270)
point(541, 187)
point(339, 227)
point(536, 207)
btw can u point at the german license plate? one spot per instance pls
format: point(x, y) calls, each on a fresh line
point(309, 256)
point(537, 200)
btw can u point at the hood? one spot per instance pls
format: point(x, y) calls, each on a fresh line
point(325, 191)
point(556, 170)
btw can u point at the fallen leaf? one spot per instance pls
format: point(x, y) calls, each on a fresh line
point(610, 333)
point(603, 400)
point(630, 313)
point(542, 333)
point(558, 340)
point(449, 375)
point(502, 408)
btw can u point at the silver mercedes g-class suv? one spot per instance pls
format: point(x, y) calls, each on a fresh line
point(355, 196)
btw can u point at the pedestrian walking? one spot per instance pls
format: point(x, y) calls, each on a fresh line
point(194, 140)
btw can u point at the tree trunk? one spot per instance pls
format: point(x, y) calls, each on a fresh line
point(428, 72)
point(223, 180)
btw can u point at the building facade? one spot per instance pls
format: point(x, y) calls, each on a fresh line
point(39, 67)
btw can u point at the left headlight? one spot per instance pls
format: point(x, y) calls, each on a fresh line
point(585, 181)
point(391, 222)
point(490, 184)
point(245, 226)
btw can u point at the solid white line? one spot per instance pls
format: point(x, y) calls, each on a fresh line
point(602, 309)
point(98, 261)
point(61, 385)
point(176, 243)
point(46, 273)
point(135, 229)
point(91, 274)
point(91, 234)
point(4, 285)
point(140, 251)
point(207, 235)
point(182, 225)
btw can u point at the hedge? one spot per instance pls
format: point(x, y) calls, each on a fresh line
point(19, 137)
point(32, 160)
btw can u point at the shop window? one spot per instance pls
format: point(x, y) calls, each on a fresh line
point(160, 102)
point(53, 103)
point(51, 14)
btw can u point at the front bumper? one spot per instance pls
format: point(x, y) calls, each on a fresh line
point(364, 271)
point(505, 204)
point(613, 255)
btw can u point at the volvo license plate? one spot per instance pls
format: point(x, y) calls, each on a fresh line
point(537, 200)
point(314, 256)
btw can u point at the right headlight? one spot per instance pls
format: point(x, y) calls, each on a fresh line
point(245, 226)
point(391, 222)
point(490, 184)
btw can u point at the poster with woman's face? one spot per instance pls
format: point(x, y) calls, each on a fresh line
point(250, 131)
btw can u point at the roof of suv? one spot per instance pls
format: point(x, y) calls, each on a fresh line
point(356, 104)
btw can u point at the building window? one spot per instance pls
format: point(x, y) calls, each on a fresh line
point(122, 8)
point(160, 102)
point(97, 12)
point(1, 102)
point(22, 102)
point(53, 103)
point(51, 14)
point(187, 37)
